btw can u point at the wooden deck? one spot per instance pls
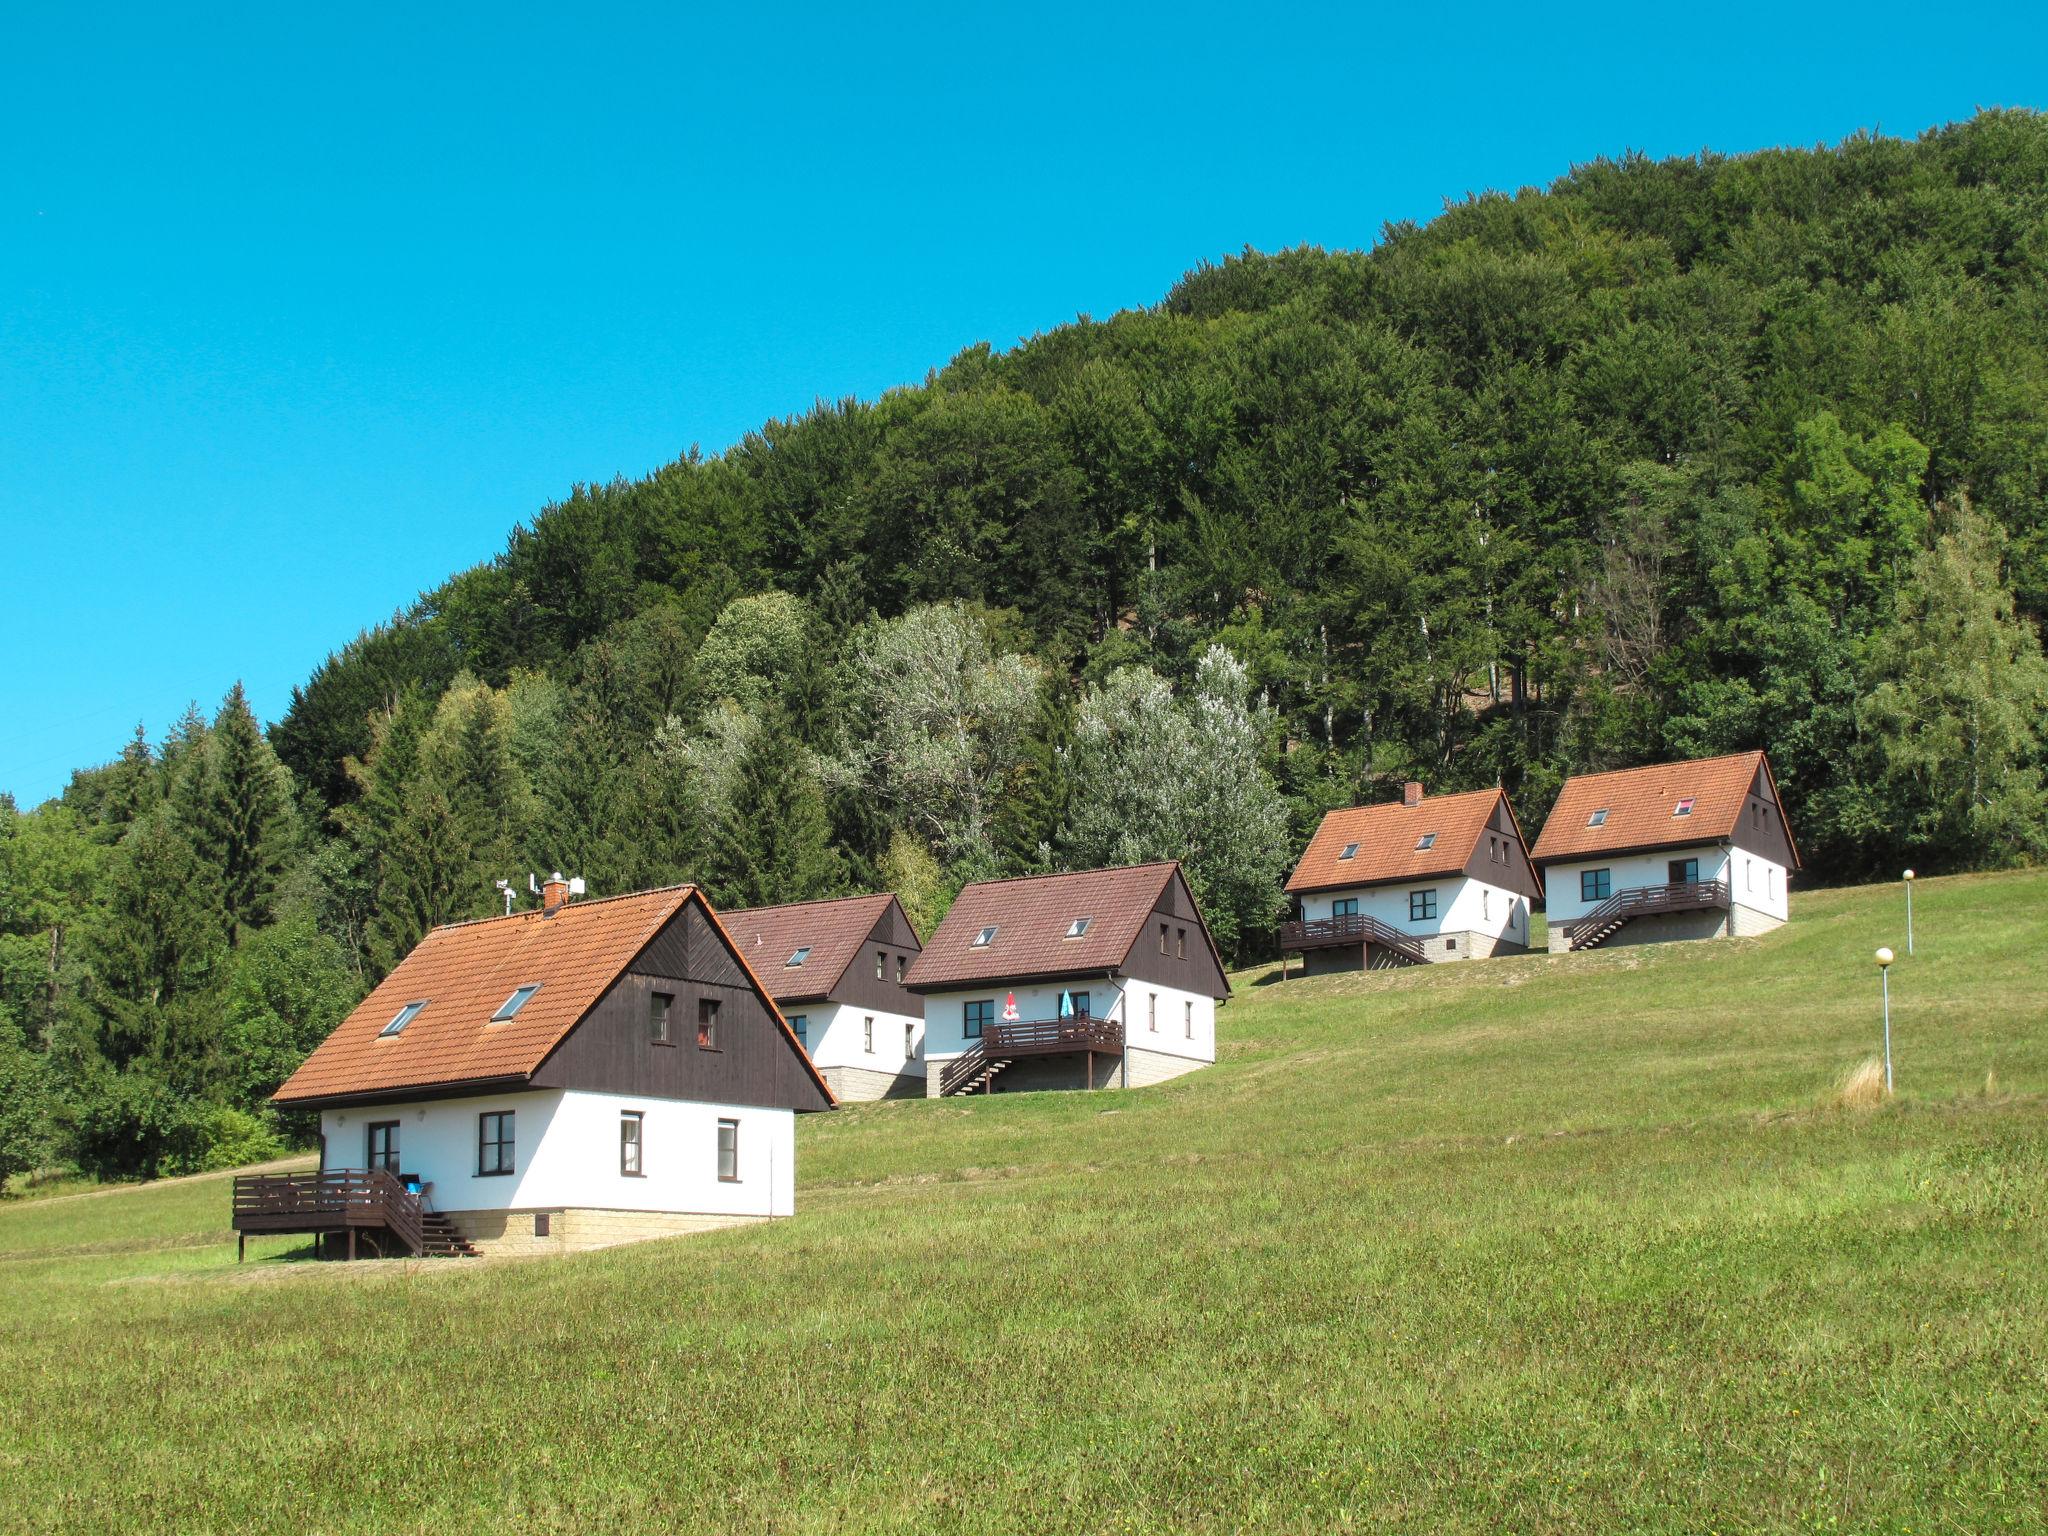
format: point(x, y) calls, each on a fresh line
point(1624, 907)
point(357, 1201)
point(1352, 929)
point(1001, 1044)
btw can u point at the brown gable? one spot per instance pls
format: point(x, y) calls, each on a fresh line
point(1640, 806)
point(835, 932)
point(1032, 916)
point(464, 972)
point(1388, 839)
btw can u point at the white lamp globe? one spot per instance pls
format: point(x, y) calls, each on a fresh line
point(1884, 957)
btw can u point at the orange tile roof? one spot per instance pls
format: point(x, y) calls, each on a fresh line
point(464, 972)
point(1031, 916)
point(1639, 803)
point(835, 930)
point(1387, 836)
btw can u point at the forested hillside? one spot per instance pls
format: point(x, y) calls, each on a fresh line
point(1666, 459)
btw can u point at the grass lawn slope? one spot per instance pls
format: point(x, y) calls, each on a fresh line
point(1578, 1243)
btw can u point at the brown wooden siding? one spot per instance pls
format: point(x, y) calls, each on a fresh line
point(893, 936)
point(1198, 972)
point(1515, 875)
point(756, 1063)
point(1760, 829)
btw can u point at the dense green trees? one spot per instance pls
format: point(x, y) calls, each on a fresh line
point(1664, 459)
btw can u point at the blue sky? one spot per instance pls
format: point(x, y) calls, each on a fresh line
point(301, 310)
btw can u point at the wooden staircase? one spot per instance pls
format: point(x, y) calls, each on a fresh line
point(1624, 907)
point(975, 1070)
point(440, 1238)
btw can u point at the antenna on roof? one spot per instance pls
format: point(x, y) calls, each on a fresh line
point(532, 886)
point(505, 889)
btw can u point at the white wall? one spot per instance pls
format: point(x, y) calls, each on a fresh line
point(566, 1153)
point(835, 1037)
point(1126, 1001)
point(1753, 881)
point(1463, 905)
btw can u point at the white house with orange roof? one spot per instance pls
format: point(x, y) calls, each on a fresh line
point(1691, 850)
point(1421, 879)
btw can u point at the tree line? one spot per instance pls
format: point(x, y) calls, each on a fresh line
point(1666, 459)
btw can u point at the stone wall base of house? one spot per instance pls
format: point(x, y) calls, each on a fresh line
point(1148, 1067)
point(1669, 927)
point(859, 1085)
point(577, 1229)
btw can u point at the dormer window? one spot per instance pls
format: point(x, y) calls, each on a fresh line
point(1427, 840)
point(1078, 927)
point(403, 1017)
point(1598, 818)
point(1349, 851)
point(1683, 808)
point(983, 939)
point(797, 958)
point(518, 1000)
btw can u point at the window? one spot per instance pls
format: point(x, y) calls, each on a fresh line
point(494, 1142)
point(383, 1145)
point(983, 939)
point(801, 1024)
point(977, 1016)
point(659, 1007)
point(403, 1017)
point(629, 1144)
point(1078, 927)
point(1079, 1003)
point(729, 1151)
point(1162, 938)
point(1683, 808)
point(1683, 871)
point(1598, 818)
point(1187, 1015)
point(797, 957)
point(1180, 943)
point(909, 1040)
point(881, 964)
point(541, 1224)
point(1421, 906)
point(867, 1035)
point(1345, 906)
point(1427, 840)
point(1754, 819)
point(1595, 884)
point(902, 965)
point(518, 1000)
point(1152, 1013)
point(707, 1023)
point(1450, 946)
point(1485, 902)
point(1348, 851)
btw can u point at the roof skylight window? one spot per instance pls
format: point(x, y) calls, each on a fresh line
point(514, 1003)
point(1348, 851)
point(1427, 840)
point(1683, 808)
point(798, 957)
point(1078, 927)
point(1598, 818)
point(403, 1017)
point(983, 939)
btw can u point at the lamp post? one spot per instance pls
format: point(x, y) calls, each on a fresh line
point(1884, 976)
point(1909, 911)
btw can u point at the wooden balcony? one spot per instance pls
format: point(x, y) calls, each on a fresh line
point(1001, 1044)
point(1624, 907)
point(358, 1201)
point(1354, 928)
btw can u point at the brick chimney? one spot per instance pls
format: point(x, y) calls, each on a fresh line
point(1411, 795)
point(554, 893)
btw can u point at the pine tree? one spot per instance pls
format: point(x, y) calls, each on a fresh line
point(242, 816)
point(774, 841)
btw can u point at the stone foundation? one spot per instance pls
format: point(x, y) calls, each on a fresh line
point(1675, 927)
point(578, 1229)
point(860, 1085)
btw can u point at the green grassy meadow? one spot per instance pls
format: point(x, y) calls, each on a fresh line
point(1548, 1244)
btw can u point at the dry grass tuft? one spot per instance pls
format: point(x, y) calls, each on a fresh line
point(1991, 1083)
point(1863, 1087)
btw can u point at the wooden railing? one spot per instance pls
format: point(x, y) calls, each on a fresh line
point(1642, 900)
point(331, 1200)
point(1351, 928)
